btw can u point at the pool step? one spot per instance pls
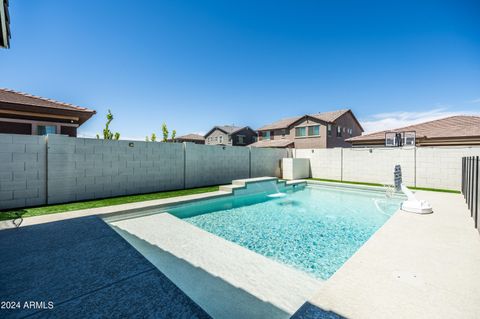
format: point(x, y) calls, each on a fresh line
point(242, 183)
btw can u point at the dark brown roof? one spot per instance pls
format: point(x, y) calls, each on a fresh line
point(14, 97)
point(328, 117)
point(195, 137)
point(449, 127)
point(272, 143)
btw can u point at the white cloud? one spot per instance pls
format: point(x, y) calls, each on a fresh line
point(475, 101)
point(393, 120)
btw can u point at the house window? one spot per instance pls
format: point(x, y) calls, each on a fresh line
point(284, 131)
point(266, 135)
point(300, 131)
point(240, 139)
point(339, 131)
point(329, 129)
point(216, 138)
point(46, 129)
point(314, 130)
point(220, 139)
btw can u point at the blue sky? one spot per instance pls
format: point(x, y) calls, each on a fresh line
point(195, 64)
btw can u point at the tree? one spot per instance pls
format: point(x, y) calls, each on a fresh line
point(154, 137)
point(107, 134)
point(165, 132)
point(174, 133)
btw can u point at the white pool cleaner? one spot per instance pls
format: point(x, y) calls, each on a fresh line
point(412, 204)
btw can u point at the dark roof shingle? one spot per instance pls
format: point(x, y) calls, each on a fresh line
point(14, 97)
point(195, 137)
point(328, 117)
point(272, 143)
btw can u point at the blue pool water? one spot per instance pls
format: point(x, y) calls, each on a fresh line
point(315, 229)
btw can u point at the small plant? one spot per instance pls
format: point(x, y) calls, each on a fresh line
point(107, 134)
point(165, 132)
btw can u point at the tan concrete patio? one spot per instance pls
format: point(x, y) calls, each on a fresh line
point(415, 266)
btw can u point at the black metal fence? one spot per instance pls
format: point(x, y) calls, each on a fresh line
point(470, 186)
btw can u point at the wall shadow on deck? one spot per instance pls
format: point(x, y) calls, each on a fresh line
point(309, 311)
point(215, 295)
point(87, 270)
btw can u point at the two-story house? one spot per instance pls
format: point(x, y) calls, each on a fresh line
point(230, 135)
point(321, 130)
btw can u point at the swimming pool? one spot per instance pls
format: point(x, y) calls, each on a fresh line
point(315, 229)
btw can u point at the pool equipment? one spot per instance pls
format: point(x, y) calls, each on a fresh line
point(412, 204)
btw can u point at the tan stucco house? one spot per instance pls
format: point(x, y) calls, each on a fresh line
point(321, 130)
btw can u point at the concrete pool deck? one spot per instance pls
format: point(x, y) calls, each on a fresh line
point(415, 266)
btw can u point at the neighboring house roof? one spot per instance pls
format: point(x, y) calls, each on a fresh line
point(14, 97)
point(328, 117)
point(23, 104)
point(283, 123)
point(273, 143)
point(193, 137)
point(227, 129)
point(460, 126)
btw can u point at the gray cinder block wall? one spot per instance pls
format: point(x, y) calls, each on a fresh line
point(36, 170)
point(213, 165)
point(267, 161)
point(80, 169)
point(23, 180)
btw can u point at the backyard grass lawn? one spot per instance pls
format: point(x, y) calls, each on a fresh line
point(52, 209)
point(375, 184)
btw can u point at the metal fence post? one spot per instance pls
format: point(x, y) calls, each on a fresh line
point(475, 194)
